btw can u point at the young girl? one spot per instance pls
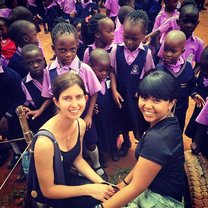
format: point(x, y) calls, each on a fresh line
point(37, 107)
point(131, 61)
point(169, 10)
point(174, 64)
point(65, 42)
point(50, 181)
point(8, 47)
point(105, 118)
point(202, 88)
point(101, 28)
point(157, 179)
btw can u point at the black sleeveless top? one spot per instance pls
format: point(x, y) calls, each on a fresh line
point(69, 156)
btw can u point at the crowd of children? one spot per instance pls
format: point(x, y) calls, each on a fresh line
point(111, 53)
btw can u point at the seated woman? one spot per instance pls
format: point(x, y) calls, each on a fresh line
point(57, 147)
point(157, 179)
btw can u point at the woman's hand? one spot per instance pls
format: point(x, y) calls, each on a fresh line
point(100, 192)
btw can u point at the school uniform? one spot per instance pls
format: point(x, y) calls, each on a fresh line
point(113, 7)
point(16, 63)
point(67, 7)
point(92, 86)
point(163, 17)
point(130, 68)
point(92, 47)
point(4, 12)
point(194, 47)
point(202, 89)
point(81, 49)
point(51, 13)
point(202, 118)
point(32, 89)
point(12, 96)
point(106, 121)
point(183, 73)
point(118, 34)
point(85, 9)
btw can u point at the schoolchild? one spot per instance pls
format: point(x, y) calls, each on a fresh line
point(174, 64)
point(51, 12)
point(101, 29)
point(187, 23)
point(105, 117)
point(131, 60)
point(8, 47)
point(77, 23)
point(169, 10)
point(202, 88)
point(50, 182)
point(65, 42)
point(84, 8)
point(118, 33)
point(22, 32)
point(112, 8)
point(38, 109)
point(12, 96)
point(157, 179)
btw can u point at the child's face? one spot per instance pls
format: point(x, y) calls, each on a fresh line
point(101, 68)
point(78, 28)
point(31, 36)
point(3, 29)
point(188, 22)
point(106, 31)
point(133, 34)
point(35, 63)
point(65, 48)
point(154, 110)
point(171, 4)
point(71, 102)
point(172, 51)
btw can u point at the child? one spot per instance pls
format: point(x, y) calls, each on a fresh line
point(169, 10)
point(22, 32)
point(105, 118)
point(187, 23)
point(131, 60)
point(174, 64)
point(118, 33)
point(65, 42)
point(37, 107)
point(57, 147)
point(8, 47)
point(157, 179)
point(101, 28)
point(51, 12)
point(202, 88)
point(84, 8)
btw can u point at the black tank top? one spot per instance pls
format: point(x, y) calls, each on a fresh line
point(71, 155)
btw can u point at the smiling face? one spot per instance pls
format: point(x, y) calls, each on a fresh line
point(71, 102)
point(65, 48)
point(154, 110)
point(133, 34)
point(106, 31)
point(35, 63)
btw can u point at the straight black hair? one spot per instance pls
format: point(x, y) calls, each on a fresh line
point(158, 84)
